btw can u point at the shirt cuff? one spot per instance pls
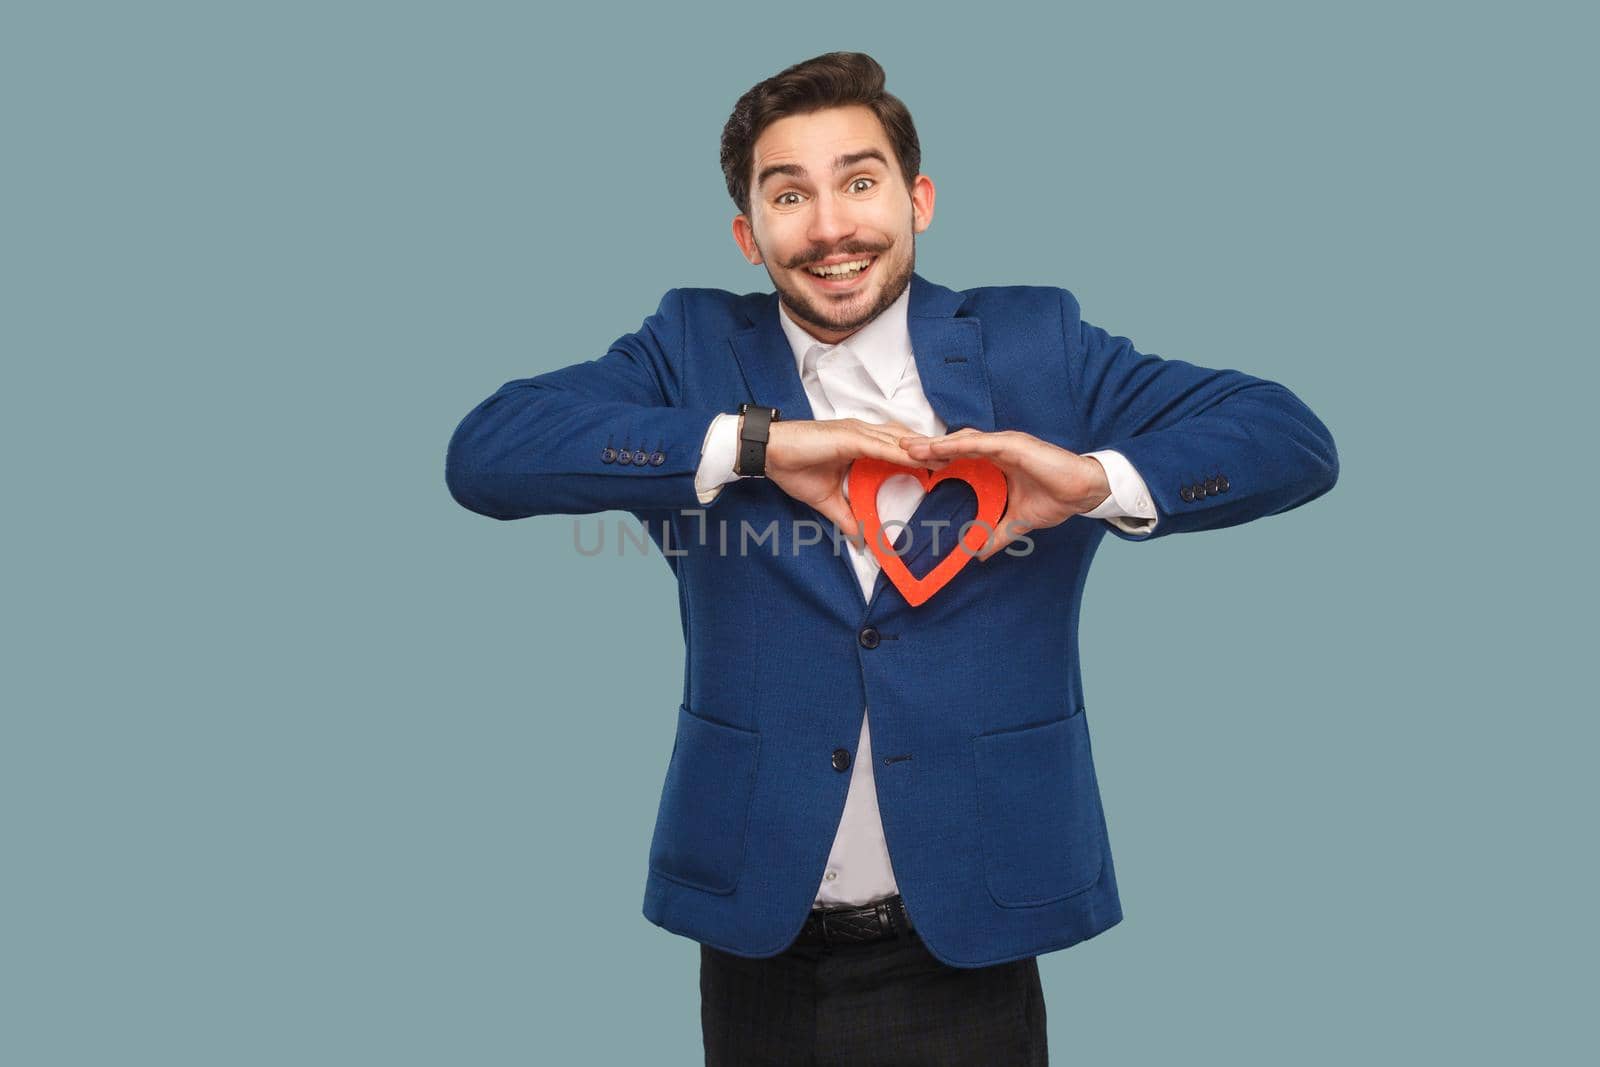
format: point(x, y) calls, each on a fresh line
point(1129, 507)
point(717, 454)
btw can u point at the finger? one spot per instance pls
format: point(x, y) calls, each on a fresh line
point(1008, 530)
point(985, 444)
point(991, 542)
point(965, 442)
point(929, 459)
point(1000, 455)
point(899, 437)
point(836, 509)
point(982, 549)
point(924, 447)
point(888, 451)
point(921, 456)
point(893, 440)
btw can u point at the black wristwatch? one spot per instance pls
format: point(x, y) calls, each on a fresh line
point(753, 422)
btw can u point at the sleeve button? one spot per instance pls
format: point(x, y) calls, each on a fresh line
point(657, 458)
point(609, 455)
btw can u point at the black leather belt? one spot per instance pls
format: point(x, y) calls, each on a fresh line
point(849, 925)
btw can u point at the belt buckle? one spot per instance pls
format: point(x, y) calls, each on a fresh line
point(838, 930)
point(825, 925)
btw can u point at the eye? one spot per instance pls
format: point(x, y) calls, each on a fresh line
point(782, 195)
point(870, 180)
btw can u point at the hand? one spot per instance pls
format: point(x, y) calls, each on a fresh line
point(1045, 485)
point(809, 459)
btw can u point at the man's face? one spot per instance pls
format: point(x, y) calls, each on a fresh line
point(827, 189)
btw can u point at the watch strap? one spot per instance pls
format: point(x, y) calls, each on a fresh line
point(754, 423)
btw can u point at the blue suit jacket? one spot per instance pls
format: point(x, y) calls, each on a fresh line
point(985, 781)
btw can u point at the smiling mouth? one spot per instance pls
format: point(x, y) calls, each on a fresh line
point(836, 279)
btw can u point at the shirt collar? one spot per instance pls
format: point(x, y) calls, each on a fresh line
point(883, 345)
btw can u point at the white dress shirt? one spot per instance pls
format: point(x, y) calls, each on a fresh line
point(872, 376)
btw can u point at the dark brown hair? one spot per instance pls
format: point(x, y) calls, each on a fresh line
point(834, 79)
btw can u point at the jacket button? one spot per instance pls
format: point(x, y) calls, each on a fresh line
point(1222, 483)
point(657, 458)
point(868, 637)
point(609, 455)
point(1187, 492)
point(841, 759)
point(641, 457)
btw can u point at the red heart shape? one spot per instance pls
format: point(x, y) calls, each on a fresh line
point(988, 481)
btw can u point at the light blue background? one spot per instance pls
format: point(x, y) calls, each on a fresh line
point(305, 764)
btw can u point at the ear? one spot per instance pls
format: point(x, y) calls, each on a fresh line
point(921, 203)
point(745, 236)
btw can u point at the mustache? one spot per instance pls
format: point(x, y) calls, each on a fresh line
point(862, 250)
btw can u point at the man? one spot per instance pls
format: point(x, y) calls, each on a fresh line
point(875, 815)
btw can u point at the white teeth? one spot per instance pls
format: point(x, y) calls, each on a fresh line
point(840, 269)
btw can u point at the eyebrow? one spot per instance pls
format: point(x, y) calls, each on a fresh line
point(795, 170)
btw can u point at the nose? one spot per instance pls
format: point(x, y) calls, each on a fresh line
point(831, 222)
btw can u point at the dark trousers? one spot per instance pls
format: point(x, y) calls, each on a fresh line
point(875, 1004)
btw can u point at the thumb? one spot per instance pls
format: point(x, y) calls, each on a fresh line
point(1004, 533)
point(836, 509)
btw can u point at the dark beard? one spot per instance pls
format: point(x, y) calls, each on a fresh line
point(806, 313)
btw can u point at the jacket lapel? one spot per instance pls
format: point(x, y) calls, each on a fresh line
point(948, 350)
point(767, 361)
point(950, 360)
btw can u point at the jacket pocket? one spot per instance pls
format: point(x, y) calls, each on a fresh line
point(1038, 812)
point(699, 837)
